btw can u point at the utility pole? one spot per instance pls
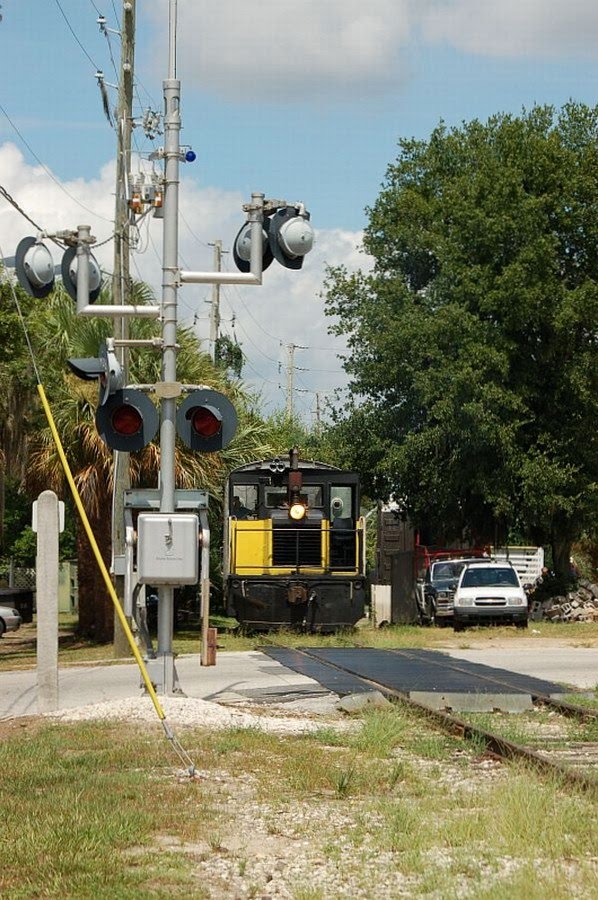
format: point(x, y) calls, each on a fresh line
point(215, 303)
point(290, 379)
point(291, 367)
point(124, 129)
point(318, 416)
point(121, 288)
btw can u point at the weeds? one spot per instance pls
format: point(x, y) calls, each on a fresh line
point(342, 781)
point(381, 732)
point(95, 809)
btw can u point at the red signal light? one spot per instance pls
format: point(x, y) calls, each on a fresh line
point(204, 422)
point(127, 420)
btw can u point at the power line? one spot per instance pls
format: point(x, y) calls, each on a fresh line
point(14, 203)
point(48, 172)
point(70, 28)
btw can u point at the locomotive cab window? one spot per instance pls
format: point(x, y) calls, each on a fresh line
point(244, 503)
point(341, 502)
point(342, 527)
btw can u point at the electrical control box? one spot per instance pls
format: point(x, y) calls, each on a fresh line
point(168, 548)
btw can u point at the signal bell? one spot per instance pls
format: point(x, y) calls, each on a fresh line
point(68, 270)
point(34, 267)
point(206, 421)
point(242, 247)
point(291, 236)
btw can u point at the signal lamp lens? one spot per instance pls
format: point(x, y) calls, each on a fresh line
point(127, 420)
point(297, 511)
point(204, 422)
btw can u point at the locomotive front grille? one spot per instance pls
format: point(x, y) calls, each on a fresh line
point(293, 546)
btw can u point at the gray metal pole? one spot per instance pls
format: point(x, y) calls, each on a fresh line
point(172, 126)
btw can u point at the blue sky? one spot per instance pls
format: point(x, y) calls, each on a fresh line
point(303, 101)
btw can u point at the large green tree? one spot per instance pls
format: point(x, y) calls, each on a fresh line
point(16, 413)
point(474, 385)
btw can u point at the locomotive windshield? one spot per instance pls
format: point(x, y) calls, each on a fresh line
point(277, 497)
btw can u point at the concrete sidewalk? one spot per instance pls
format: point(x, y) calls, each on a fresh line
point(236, 677)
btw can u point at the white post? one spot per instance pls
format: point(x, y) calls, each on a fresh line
point(47, 525)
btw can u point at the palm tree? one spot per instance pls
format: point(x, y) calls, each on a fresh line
point(73, 404)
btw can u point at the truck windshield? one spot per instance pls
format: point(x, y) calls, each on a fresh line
point(490, 577)
point(446, 570)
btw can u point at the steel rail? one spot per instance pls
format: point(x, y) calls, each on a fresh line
point(500, 747)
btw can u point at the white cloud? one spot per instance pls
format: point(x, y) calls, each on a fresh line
point(51, 204)
point(286, 309)
point(512, 28)
point(277, 51)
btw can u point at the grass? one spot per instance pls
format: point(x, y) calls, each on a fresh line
point(99, 810)
point(18, 650)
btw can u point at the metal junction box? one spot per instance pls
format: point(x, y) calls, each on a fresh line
point(168, 548)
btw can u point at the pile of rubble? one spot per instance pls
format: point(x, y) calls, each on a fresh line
point(580, 605)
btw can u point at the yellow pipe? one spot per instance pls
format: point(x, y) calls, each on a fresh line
point(96, 552)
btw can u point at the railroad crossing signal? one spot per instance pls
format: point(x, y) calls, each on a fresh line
point(34, 267)
point(68, 270)
point(127, 419)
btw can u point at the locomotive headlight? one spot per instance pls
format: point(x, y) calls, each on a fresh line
point(297, 511)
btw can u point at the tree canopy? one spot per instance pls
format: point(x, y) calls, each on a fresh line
point(474, 386)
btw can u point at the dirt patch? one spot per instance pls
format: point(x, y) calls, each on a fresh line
point(9, 727)
point(529, 642)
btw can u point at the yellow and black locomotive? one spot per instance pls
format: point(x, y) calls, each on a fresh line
point(294, 546)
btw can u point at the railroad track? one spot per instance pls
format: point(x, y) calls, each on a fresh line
point(575, 763)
